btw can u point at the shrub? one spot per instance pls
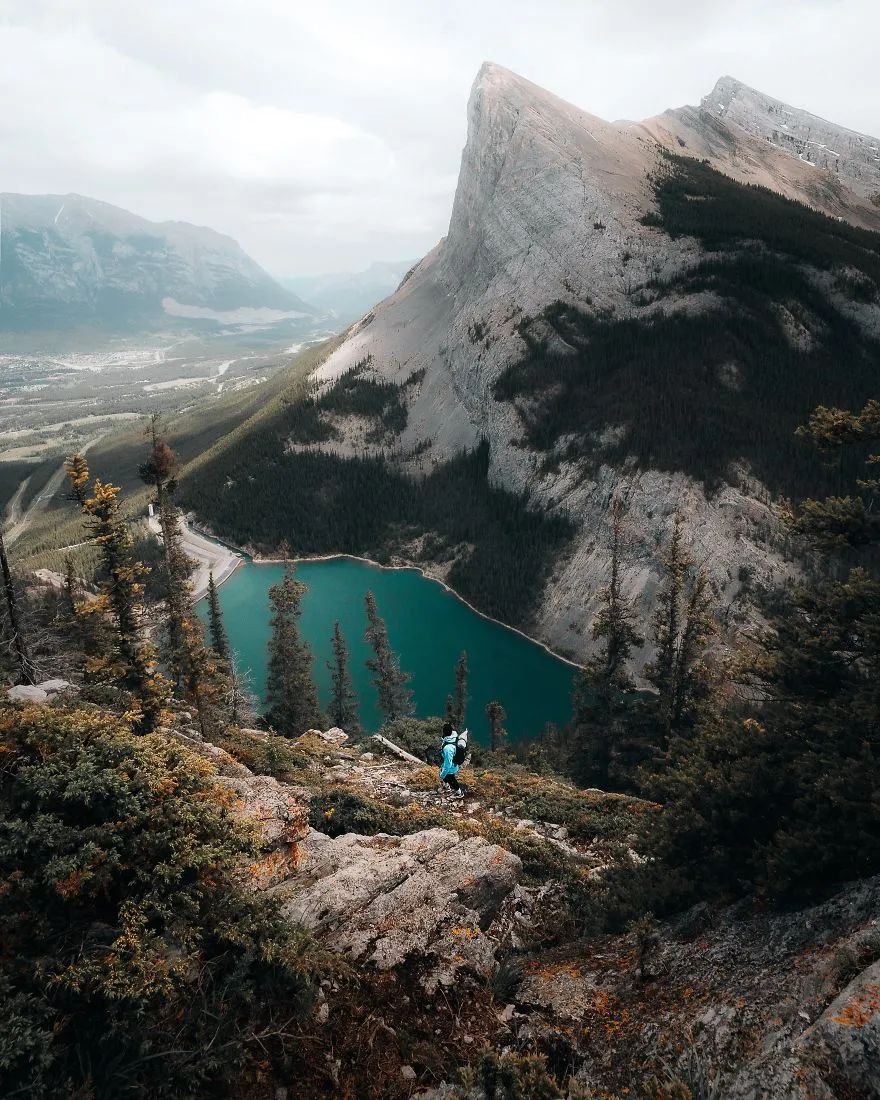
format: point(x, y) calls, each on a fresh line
point(131, 960)
point(269, 754)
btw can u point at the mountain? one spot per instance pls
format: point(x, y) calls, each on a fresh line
point(646, 309)
point(852, 157)
point(348, 296)
point(69, 261)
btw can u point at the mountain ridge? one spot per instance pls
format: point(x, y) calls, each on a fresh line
point(555, 206)
point(70, 260)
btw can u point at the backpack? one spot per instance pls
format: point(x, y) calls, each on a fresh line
point(461, 749)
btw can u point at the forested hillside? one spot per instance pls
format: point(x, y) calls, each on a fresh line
point(721, 363)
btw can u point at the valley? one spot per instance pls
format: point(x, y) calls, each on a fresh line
point(595, 480)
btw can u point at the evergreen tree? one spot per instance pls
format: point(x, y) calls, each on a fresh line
point(343, 711)
point(24, 669)
point(196, 675)
point(291, 694)
point(395, 698)
point(602, 727)
point(496, 714)
point(216, 627)
point(459, 700)
point(683, 625)
point(124, 654)
point(782, 795)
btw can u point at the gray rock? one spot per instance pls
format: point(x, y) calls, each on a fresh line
point(52, 687)
point(26, 693)
point(844, 1043)
point(386, 900)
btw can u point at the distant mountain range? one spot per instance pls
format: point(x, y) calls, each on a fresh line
point(67, 261)
point(348, 296)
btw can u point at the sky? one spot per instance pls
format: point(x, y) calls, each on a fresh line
point(326, 135)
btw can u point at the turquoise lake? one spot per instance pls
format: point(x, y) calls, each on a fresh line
point(428, 627)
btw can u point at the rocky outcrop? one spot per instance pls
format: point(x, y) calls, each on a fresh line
point(431, 896)
point(843, 1047)
point(279, 814)
point(37, 693)
point(743, 1001)
point(848, 156)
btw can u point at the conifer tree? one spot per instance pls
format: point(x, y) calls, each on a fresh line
point(24, 669)
point(343, 710)
point(291, 694)
point(781, 794)
point(129, 658)
point(460, 697)
point(602, 719)
point(496, 714)
point(196, 675)
point(395, 698)
point(216, 627)
point(683, 625)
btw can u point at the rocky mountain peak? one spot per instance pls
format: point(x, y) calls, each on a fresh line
point(852, 157)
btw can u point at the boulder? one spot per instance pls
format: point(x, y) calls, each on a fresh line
point(334, 735)
point(843, 1045)
point(281, 818)
point(26, 693)
point(52, 687)
point(389, 900)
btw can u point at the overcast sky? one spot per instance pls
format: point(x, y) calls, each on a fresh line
point(327, 134)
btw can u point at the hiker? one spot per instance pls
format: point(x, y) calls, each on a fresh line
point(453, 750)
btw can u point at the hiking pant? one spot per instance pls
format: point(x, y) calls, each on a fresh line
point(452, 782)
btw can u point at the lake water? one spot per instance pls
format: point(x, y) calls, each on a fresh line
point(428, 627)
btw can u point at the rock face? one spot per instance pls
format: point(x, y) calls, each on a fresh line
point(733, 999)
point(549, 207)
point(385, 900)
point(851, 157)
point(279, 813)
point(844, 1043)
point(70, 260)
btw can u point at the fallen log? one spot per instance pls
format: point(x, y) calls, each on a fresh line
point(397, 750)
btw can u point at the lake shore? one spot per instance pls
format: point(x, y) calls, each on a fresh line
point(401, 565)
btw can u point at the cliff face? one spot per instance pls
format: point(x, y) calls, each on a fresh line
point(850, 157)
point(550, 207)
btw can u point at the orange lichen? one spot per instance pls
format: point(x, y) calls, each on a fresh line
point(861, 1009)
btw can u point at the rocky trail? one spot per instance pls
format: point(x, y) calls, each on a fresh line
point(456, 922)
point(743, 1003)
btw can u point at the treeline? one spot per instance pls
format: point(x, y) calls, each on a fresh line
point(768, 760)
point(698, 391)
point(259, 495)
point(310, 421)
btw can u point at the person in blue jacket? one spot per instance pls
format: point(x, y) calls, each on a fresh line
point(448, 767)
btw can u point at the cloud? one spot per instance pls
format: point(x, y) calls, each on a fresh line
point(324, 136)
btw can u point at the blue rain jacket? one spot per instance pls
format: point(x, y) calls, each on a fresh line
point(448, 767)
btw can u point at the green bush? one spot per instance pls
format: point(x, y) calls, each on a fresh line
point(267, 755)
point(131, 960)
